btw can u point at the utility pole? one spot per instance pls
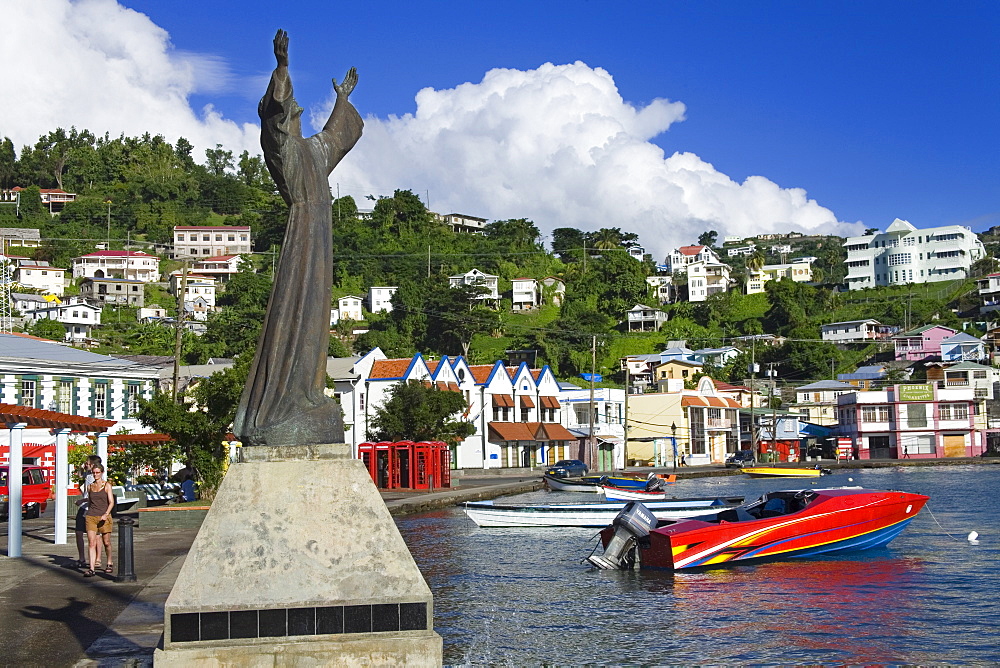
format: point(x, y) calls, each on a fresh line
point(428, 260)
point(625, 423)
point(771, 374)
point(753, 396)
point(593, 370)
point(179, 330)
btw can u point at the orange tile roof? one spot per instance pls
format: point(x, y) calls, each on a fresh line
point(36, 417)
point(481, 372)
point(387, 369)
point(690, 250)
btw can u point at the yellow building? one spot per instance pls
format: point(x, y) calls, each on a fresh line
point(704, 424)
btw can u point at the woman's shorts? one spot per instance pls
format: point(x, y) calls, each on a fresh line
point(98, 525)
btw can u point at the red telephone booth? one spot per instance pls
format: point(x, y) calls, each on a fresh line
point(405, 464)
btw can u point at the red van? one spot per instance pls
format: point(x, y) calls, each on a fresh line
point(35, 491)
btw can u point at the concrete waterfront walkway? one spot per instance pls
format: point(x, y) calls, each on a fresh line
point(51, 615)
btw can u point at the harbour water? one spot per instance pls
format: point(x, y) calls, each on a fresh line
point(520, 597)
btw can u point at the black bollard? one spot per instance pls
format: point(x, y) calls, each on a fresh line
point(126, 557)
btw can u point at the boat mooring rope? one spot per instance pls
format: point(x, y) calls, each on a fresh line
point(945, 531)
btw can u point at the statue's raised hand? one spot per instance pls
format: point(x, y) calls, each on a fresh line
point(350, 81)
point(281, 48)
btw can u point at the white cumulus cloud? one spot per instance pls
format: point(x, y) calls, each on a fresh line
point(96, 65)
point(560, 145)
point(557, 144)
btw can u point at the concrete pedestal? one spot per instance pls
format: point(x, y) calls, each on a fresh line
point(299, 563)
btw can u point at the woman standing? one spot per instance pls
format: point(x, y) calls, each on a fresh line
point(98, 516)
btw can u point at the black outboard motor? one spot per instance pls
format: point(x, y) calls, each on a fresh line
point(635, 521)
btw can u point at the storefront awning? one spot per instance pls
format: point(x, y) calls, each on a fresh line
point(529, 431)
point(503, 401)
point(710, 402)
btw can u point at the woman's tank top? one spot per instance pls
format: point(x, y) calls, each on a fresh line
point(98, 501)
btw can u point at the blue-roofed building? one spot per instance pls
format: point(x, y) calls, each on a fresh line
point(865, 377)
point(963, 348)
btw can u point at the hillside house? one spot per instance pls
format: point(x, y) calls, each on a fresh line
point(114, 291)
point(800, 272)
point(921, 343)
point(380, 298)
point(904, 254)
point(525, 294)
point(40, 275)
point(202, 241)
point(121, 264)
point(852, 331)
point(75, 314)
point(487, 282)
point(553, 290)
point(679, 259)
point(963, 347)
point(221, 267)
point(642, 318)
point(706, 279)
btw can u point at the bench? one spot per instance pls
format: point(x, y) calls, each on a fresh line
point(121, 501)
point(156, 494)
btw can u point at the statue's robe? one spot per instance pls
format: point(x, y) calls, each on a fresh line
point(283, 402)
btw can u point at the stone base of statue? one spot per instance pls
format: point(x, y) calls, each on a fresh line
point(299, 563)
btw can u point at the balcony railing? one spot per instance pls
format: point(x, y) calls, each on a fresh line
point(718, 423)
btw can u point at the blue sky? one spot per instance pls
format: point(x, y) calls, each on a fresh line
point(876, 110)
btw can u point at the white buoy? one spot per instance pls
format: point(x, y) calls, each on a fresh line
point(974, 538)
point(850, 480)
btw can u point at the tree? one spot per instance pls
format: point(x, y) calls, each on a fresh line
point(414, 412)
point(218, 160)
point(708, 238)
point(47, 328)
point(568, 243)
point(200, 426)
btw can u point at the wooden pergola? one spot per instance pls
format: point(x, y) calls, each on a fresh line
point(17, 418)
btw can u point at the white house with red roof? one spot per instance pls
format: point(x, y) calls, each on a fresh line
point(125, 264)
point(204, 241)
point(681, 257)
point(54, 198)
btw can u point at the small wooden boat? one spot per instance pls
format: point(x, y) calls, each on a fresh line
point(592, 483)
point(783, 524)
point(655, 490)
point(612, 493)
point(491, 514)
point(780, 472)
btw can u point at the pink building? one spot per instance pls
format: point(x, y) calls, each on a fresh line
point(911, 422)
point(921, 343)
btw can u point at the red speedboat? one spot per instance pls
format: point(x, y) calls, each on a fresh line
point(783, 524)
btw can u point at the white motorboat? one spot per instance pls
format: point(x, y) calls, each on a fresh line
point(491, 514)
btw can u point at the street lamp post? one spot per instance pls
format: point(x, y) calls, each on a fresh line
point(673, 439)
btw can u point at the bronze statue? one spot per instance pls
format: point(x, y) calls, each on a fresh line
point(283, 402)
